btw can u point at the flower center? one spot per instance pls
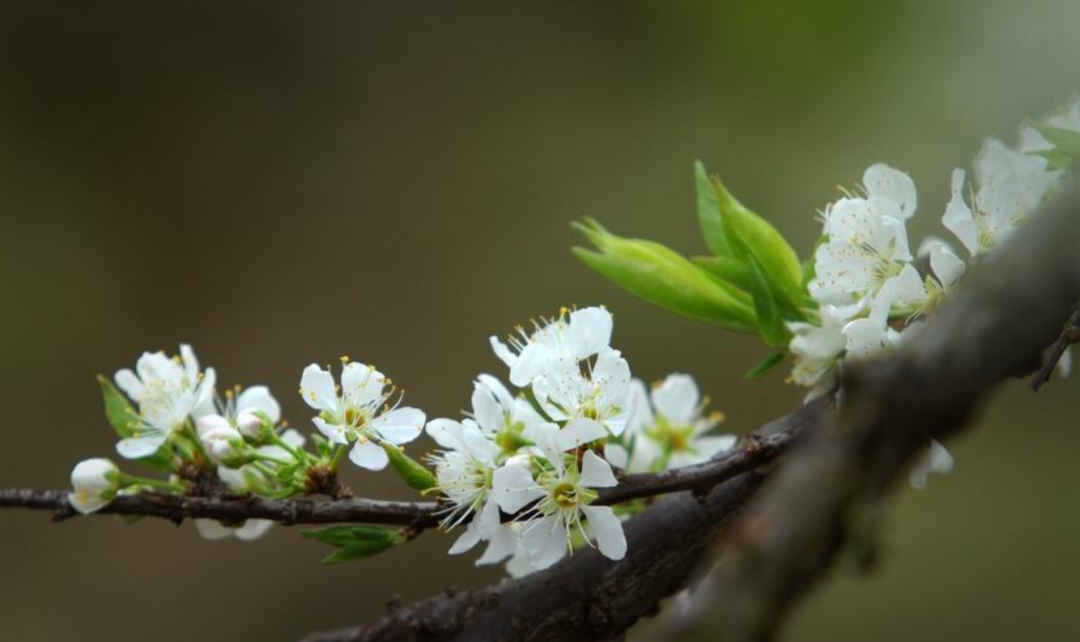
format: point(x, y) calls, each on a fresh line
point(565, 495)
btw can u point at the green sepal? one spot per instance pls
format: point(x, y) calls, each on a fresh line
point(411, 471)
point(355, 542)
point(322, 446)
point(118, 411)
point(767, 364)
point(1066, 140)
point(665, 278)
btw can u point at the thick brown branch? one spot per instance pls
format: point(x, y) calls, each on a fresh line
point(826, 493)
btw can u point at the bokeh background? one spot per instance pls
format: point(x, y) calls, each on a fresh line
point(282, 184)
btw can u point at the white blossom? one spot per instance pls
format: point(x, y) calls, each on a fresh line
point(591, 403)
point(94, 483)
point(464, 470)
point(246, 531)
point(1010, 186)
point(866, 239)
point(817, 348)
point(672, 431)
point(166, 391)
point(241, 409)
point(556, 343)
point(504, 418)
point(560, 495)
point(359, 412)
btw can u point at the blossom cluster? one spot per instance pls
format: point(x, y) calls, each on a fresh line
point(869, 290)
point(543, 455)
point(522, 471)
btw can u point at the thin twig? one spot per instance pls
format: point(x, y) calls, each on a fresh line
point(1070, 335)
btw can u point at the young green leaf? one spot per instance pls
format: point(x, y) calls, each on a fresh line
point(663, 277)
point(708, 213)
point(752, 236)
point(767, 364)
point(731, 270)
point(1066, 140)
point(770, 324)
point(411, 471)
point(355, 542)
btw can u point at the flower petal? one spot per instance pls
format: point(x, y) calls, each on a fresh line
point(318, 389)
point(213, 530)
point(958, 218)
point(677, 398)
point(253, 529)
point(401, 425)
point(595, 472)
point(579, 432)
point(143, 446)
point(513, 488)
point(588, 331)
point(259, 398)
point(367, 455)
point(608, 531)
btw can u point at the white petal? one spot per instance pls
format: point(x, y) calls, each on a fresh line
point(958, 218)
point(947, 267)
point(589, 331)
point(882, 181)
point(865, 337)
point(616, 455)
point(368, 455)
point(579, 432)
point(502, 352)
point(468, 539)
point(447, 433)
point(144, 446)
point(908, 287)
point(401, 425)
point(712, 445)
point(318, 389)
point(334, 432)
point(502, 544)
point(677, 398)
point(595, 472)
point(1064, 364)
point(497, 388)
point(545, 543)
point(487, 410)
point(191, 363)
point(259, 398)
point(363, 384)
point(608, 531)
point(129, 383)
point(641, 416)
point(513, 488)
point(253, 529)
point(212, 530)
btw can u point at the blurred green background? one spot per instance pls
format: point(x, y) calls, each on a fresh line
point(286, 184)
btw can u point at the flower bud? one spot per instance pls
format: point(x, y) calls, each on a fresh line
point(249, 424)
point(95, 482)
point(221, 442)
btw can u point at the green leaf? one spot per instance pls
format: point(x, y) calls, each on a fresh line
point(117, 409)
point(353, 534)
point(708, 213)
point(410, 470)
point(767, 364)
point(355, 542)
point(1066, 140)
point(731, 270)
point(663, 277)
point(752, 236)
point(1056, 159)
point(770, 324)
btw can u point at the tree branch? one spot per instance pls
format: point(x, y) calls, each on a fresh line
point(701, 478)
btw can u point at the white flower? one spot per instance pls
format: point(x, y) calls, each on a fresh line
point(676, 430)
point(817, 349)
point(872, 334)
point(246, 531)
point(561, 495)
point(1011, 184)
point(95, 482)
point(590, 404)
point(464, 472)
point(359, 412)
point(867, 241)
point(166, 392)
point(241, 409)
point(568, 339)
point(501, 416)
point(935, 460)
